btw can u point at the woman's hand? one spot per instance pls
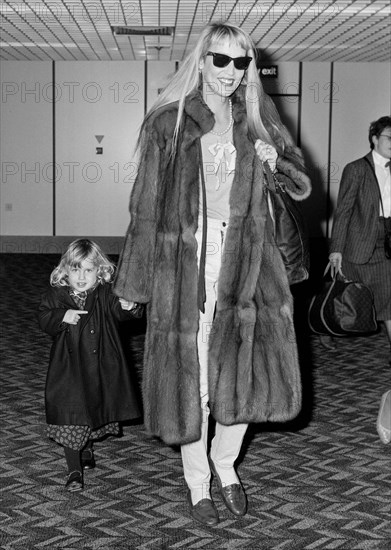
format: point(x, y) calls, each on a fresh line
point(72, 316)
point(267, 153)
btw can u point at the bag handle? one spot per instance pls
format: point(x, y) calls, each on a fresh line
point(334, 274)
point(270, 178)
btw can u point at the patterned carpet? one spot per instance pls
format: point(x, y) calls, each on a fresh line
point(321, 482)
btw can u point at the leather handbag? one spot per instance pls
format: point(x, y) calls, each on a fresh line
point(290, 229)
point(342, 308)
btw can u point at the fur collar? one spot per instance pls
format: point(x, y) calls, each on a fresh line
point(292, 175)
point(199, 112)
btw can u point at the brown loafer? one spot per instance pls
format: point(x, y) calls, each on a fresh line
point(87, 459)
point(233, 495)
point(74, 482)
point(204, 511)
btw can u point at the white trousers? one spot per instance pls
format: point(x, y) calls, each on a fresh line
point(227, 441)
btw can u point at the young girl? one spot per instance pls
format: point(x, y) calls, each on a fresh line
point(88, 386)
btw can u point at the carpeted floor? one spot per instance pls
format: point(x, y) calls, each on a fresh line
point(320, 482)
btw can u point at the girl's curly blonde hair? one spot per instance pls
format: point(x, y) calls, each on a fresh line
point(77, 251)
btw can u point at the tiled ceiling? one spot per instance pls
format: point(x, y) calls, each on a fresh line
point(298, 30)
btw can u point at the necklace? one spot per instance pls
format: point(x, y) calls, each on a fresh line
point(231, 120)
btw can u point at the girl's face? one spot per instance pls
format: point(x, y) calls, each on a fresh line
point(83, 277)
point(221, 81)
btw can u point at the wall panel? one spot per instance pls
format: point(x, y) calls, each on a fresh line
point(100, 104)
point(26, 148)
point(158, 74)
point(315, 135)
point(285, 92)
point(330, 121)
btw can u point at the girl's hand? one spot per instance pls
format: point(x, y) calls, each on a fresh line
point(127, 306)
point(267, 153)
point(72, 316)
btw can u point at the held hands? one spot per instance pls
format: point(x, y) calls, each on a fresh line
point(134, 308)
point(127, 306)
point(267, 153)
point(335, 259)
point(72, 316)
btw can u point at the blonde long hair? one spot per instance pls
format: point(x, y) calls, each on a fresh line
point(263, 119)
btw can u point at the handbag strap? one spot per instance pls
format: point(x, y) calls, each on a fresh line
point(201, 269)
point(270, 177)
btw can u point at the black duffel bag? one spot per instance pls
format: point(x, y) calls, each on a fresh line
point(342, 308)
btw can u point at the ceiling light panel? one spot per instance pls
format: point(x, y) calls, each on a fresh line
point(75, 29)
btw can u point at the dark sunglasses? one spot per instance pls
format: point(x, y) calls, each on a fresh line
point(222, 60)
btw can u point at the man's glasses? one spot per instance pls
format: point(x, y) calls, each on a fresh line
point(222, 60)
point(386, 136)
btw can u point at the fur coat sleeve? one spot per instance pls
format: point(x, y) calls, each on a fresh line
point(136, 266)
point(292, 174)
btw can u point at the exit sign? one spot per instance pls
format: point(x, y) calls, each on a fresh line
point(269, 71)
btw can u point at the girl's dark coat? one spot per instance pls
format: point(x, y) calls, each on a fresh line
point(88, 380)
point(253, 366)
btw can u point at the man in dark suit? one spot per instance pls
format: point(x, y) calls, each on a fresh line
point(362, 218)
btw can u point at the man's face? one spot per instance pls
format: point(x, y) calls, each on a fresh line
point(382, 144)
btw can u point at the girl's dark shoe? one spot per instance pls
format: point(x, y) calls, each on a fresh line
point(88, 459)
point(74, 482)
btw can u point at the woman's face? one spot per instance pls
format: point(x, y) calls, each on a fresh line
point(221, 81)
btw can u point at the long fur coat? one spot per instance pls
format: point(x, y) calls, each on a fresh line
point(253, 366)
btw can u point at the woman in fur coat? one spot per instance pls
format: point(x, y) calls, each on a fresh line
point(200, 253)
